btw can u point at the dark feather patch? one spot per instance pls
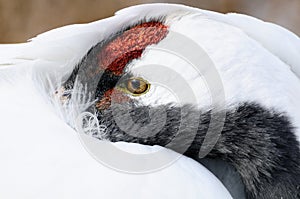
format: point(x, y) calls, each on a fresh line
point(261, 145)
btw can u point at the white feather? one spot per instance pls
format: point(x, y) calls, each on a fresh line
point(41, 156)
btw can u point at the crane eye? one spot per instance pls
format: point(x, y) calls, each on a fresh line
point(137, 86)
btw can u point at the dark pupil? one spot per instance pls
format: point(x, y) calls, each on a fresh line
point(135, 84)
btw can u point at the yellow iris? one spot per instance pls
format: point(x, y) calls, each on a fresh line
point(136, 86)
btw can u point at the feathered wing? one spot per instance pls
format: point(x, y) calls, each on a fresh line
point(278, 40)
point(50, 153)
point(41, 156)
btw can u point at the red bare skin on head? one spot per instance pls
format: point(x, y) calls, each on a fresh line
point(130, 45)
point(112, 95)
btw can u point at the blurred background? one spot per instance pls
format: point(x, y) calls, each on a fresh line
point(23, 19)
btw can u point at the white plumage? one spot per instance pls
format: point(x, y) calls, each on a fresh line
point(42, 157)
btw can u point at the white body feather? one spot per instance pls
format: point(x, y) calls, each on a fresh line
point(41, 156)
